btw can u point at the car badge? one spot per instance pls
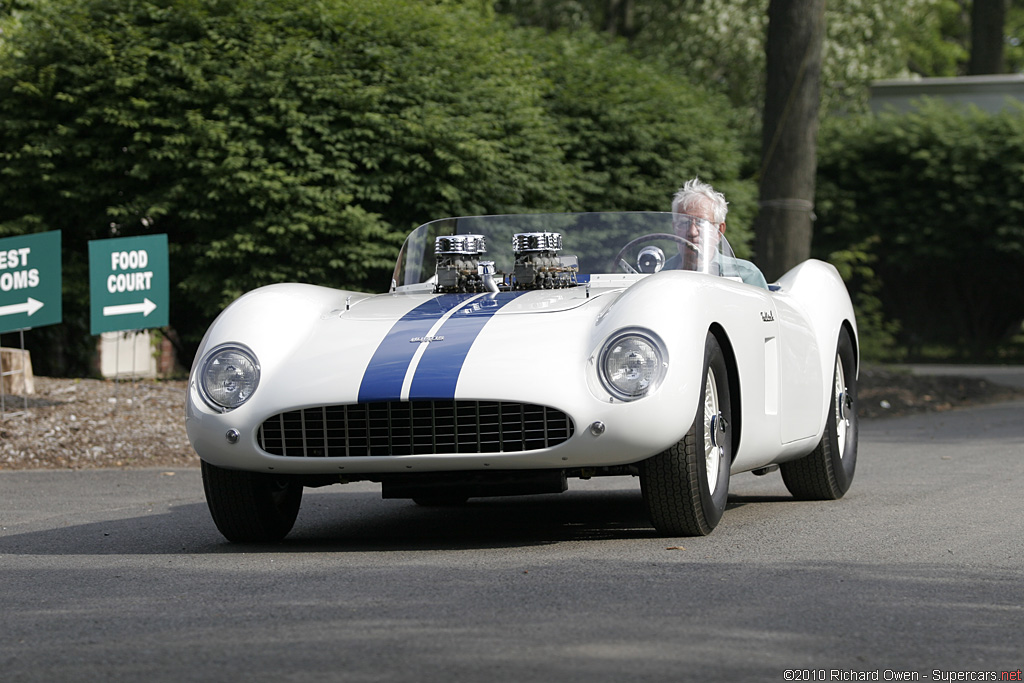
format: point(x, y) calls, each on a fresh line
point(426, 339)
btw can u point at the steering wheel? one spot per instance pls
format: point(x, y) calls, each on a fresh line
point(654, 236)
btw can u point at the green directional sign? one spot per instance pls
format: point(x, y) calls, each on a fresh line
point(30, 285)
point(129, 283)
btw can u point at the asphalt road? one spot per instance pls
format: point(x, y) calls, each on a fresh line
point(121, 576)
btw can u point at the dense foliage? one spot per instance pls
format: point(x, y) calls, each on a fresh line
point(634, 133)
point(721, 42)
point(279, 140)
point(931, 202)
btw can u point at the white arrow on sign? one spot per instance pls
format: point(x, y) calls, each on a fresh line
point(30, 307)
point(145, 308)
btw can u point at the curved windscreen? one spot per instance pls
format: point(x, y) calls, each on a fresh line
point(526, 251)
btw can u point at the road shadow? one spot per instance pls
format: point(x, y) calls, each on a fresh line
point(358, 521)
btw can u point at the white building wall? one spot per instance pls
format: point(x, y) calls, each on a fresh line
point(988, 93)
point(127, 355)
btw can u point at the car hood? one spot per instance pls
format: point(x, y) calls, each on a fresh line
point(318, 346)
point(432, 344)
point(396, 306)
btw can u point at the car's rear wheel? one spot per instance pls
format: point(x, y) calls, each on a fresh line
point(251, 507)
point(827, 472)
point(686, 487)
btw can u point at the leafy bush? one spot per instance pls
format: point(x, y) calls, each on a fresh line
point(278, 140)
point(271, 140)
point(937, 193)
point(635, 132)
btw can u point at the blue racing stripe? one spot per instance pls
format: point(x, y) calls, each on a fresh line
point(438, 371)
point(385, 374)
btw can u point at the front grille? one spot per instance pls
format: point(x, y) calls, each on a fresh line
point(414, 428)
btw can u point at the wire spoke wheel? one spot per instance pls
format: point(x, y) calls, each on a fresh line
point(839, 407)
point(686, 486)
point(712, 420)
point(827, 472)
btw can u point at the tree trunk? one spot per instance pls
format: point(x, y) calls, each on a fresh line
point(783, 227)
point(988, 18)
point(619, 18)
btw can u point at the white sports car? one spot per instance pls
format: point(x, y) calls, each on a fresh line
point(499, 364)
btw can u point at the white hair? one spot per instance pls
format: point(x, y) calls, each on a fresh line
point(695, 190)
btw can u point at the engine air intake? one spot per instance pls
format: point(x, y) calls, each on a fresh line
point(414, 428)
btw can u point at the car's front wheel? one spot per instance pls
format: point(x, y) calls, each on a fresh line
point(251, 507)
point(686, 487)
point(826, 474)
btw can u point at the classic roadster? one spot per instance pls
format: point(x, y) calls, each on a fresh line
point(513, 353)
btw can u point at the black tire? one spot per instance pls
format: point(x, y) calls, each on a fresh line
point(680, 496)
point(251, 507)
point(827, 472)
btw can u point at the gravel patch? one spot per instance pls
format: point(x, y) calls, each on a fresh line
point(87, 423)
point(883, 392)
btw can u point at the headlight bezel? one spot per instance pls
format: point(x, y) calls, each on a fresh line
point(218, 353)
point(658, 365)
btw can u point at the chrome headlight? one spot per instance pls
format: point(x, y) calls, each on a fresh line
point(632, 364)
point(228, 376)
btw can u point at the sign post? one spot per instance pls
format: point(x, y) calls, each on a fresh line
point(30, 285)
point(129, 283)
point(30, 296)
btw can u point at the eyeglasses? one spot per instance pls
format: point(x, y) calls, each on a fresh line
point(683, 224)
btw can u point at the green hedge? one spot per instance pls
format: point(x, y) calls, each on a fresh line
point(932, 202)
point(278, 140)
point(635, 132)
point(272, 140)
